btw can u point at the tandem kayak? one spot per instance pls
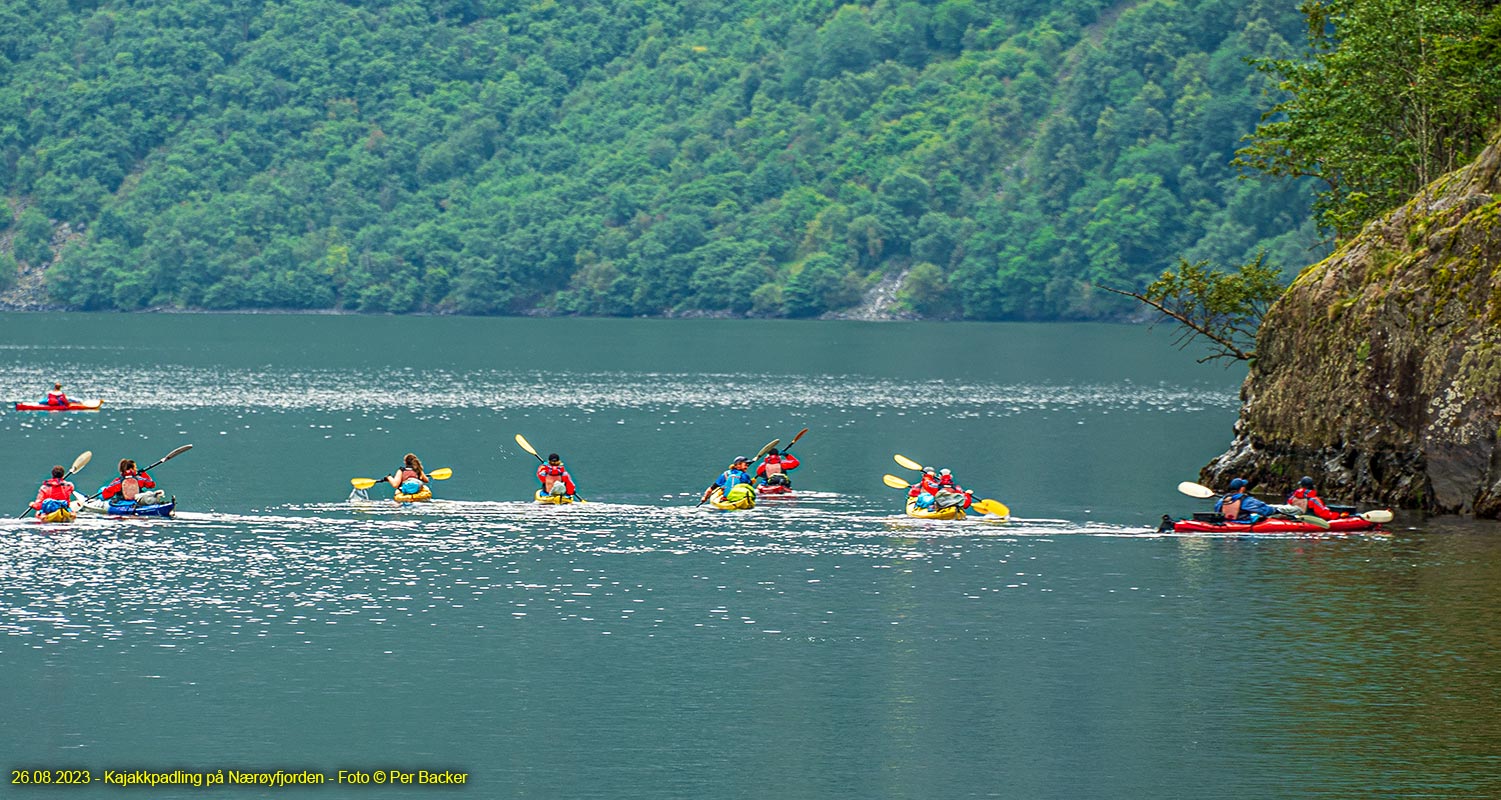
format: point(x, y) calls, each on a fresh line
point(423, 496)
point(952, 512)
point(127, 509)
point(73, 405)
point(1355, 524)
point(554, 499)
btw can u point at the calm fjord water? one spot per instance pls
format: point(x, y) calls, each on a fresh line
point(633, 647)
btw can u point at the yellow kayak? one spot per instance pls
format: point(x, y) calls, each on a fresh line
point(953, 512)
point(741, 498)
point(421, 497)
point(61, 515)
point(553, 499)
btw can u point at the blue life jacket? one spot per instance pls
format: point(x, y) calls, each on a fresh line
point(731, 478)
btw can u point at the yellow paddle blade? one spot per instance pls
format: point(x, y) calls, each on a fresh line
point(994, 507)
point(362, 483)
point(895, 482)
point(906, 462)
point(441, 474)
point(525, 445)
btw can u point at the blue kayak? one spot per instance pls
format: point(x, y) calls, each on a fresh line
point(128, 509)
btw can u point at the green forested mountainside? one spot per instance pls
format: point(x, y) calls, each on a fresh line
point(628, 157)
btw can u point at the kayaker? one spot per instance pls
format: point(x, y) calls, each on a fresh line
point(116, 487)
point(949, 493)
point(1308, 501)
point(55, 492)
point(410, 478)
point(927, 484)
point(738, 473)
point(554, 476)
point(1240, 505)
point(55, 397)
point(774, 468)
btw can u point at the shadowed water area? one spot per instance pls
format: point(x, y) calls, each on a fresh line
point(636, 647)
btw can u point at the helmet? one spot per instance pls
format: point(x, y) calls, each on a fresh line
point(772, 452)
point(944, 472)
point(927, 470)
point(1306, 482)
point(740, 460)
point(1238, 483)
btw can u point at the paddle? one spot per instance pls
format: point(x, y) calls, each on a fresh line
point(794, 440)
point(160, 461)
point(439, 474)
point(78, 464)
point(1378, 516)
point(753, 459)
point(1204, 493)
point(906, 462)
point(527, 446)
point(984, 506)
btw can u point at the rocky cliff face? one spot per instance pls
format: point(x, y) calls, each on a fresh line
point(1379, 372)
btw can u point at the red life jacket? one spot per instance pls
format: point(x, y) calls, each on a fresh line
point(57, 489)
point(407, 474)
point(550, 474)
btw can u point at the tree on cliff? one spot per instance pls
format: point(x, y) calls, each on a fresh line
point(1223, 308)
point(1396, 93)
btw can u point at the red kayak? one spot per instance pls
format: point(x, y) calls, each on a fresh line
point(773, 489)
point(73, 405)
point(1272, 525)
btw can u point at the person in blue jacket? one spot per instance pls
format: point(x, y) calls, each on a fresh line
point(738, 473)
point(1240, 505)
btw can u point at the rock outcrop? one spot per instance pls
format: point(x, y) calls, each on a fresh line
point(1379, 371)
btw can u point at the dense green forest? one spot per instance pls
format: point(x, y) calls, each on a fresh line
point(638, 157)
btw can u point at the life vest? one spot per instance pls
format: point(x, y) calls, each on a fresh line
point(772, 467)
point(551, 475)
point(130, 487)
point(1231, 508)
point(1300, 500)
point(57, 489)
point(56, 398)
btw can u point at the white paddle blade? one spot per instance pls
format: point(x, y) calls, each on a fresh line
point(1379, 515)
point(1195, 490)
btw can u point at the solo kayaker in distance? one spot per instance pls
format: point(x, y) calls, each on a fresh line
point(554, 476)
point(55, 397)
point(738, 473)
point(128, 485)
point(55, 493)
point(949, 493)
point(1239, 504)
point(409, 479)
point(774, 468)
point(1308, 502)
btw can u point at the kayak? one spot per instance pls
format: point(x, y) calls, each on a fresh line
point(553, 499)
point(63, 514)
point(73, 405)
point(423, 496)
point(1269, 525)
point(127, 509)
point(742, 498)
point(952, 512)
point(774, 489)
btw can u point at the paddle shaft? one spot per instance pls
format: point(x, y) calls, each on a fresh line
point(160, 461)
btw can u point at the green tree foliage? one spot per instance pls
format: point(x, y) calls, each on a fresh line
point(644, 157)
point(1222, 308)
point(1393, 95)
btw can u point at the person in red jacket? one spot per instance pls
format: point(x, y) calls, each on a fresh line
point(554, 477)
point(927, 484)
point(774, 468)
point(1306, 499)
point(55, 492)
point(950, 493)
point(129, 482)
point(55, 397)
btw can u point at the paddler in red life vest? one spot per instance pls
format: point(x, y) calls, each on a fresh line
point(128, 484)
point(554, 476)
point(774, 468)
point(925, 489)
point(410, 478)
point(55, 397)
point(54, 494)
point(949, 493)
point(1308, 501)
